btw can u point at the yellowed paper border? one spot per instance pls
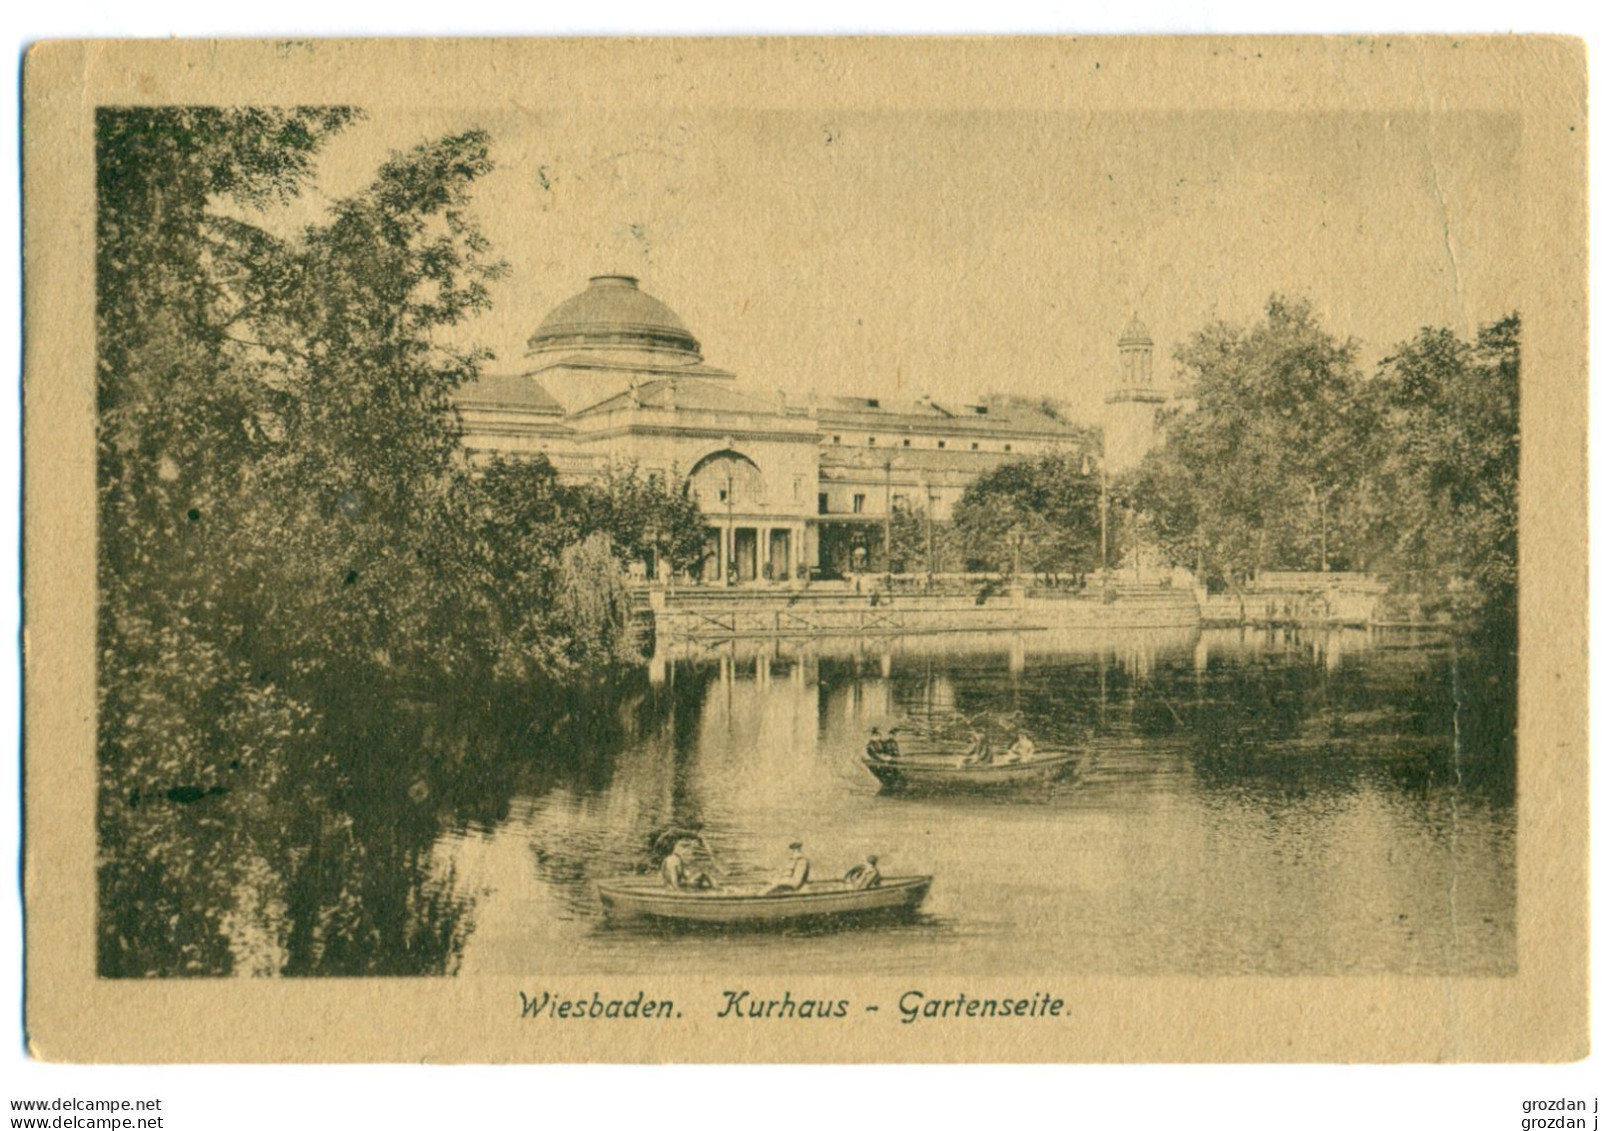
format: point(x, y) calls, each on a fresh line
point(1539, 1014)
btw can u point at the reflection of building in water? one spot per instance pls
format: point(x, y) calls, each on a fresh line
point(614, 377)
point(1137, 655)
point(866, 698)
point(1331, 646)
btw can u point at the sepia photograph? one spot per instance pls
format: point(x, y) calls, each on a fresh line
point(853, 569)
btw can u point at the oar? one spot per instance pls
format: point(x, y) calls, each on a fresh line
point(723, 876)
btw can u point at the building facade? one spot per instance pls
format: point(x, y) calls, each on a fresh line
point(790, 488)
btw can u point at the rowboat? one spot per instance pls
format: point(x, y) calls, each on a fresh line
point(939, 774)
point(827, 900)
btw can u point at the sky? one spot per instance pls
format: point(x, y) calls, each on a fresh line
point(960, 253)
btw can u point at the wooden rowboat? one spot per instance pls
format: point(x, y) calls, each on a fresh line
point(831, 899)
point(938, 774)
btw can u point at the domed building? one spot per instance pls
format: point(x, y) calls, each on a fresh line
point(615, 318)
point(614, 377)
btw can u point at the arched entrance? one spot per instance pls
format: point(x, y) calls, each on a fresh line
point(745, 542)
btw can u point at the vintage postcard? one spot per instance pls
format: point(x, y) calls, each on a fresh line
point(806, 550)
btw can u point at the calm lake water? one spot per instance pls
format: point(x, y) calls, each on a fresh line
point(1250, 803)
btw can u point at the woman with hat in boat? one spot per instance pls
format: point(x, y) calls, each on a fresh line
point(798, 872)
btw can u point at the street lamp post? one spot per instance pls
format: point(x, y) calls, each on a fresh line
point(1105, 506)
point(1323, 534)
point(1321, 503)
point(1132, 514)
point(731, 536)
point(926, 488)
point(887, 516)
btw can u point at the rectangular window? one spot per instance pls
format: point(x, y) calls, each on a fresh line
point(859, 504)
point(1007, 447)
point(974, 445)
point(820, 503)
point(837, 439)
point(870, 441)
point(943, 443)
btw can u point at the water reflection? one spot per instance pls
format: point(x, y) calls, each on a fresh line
point(1251, 802)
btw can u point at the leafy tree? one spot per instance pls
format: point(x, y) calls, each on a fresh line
point(907, 547)
point(288, 530)
point(591, 609)
point(499, 570)
point(646, 520)
point(1284, 457)
point(352, 480)
point(1260, 469)
point(1163, 490)
point(1441, 501)
point(187, 724)
point(1040, 514)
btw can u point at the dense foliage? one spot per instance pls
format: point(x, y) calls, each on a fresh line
point(1440, 496)
point(922, 544)
point(1257, 471)
point(1038, 515)
point(1285, 456)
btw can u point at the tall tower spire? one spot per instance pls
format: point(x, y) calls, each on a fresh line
point(1135, 348)
point(1130, 407)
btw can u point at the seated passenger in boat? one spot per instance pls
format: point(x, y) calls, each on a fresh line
point(890, 745)
point(798, 872)
point(1022, 750)
point(863, 876)
point(979, 753)
point(675, 870)
point(876, 745)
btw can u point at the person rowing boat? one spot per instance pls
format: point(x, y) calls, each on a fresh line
point(980, 752)
point(675, 871)
point(798, 873)
point(1022, 750)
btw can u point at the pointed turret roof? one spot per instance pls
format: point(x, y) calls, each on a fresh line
point(1136, 334)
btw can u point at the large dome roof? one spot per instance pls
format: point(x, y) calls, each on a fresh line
point(613, 315)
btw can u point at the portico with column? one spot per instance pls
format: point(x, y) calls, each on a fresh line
point(787, 487)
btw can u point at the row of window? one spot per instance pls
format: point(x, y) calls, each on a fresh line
point(857, 503)
point(871, 442)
